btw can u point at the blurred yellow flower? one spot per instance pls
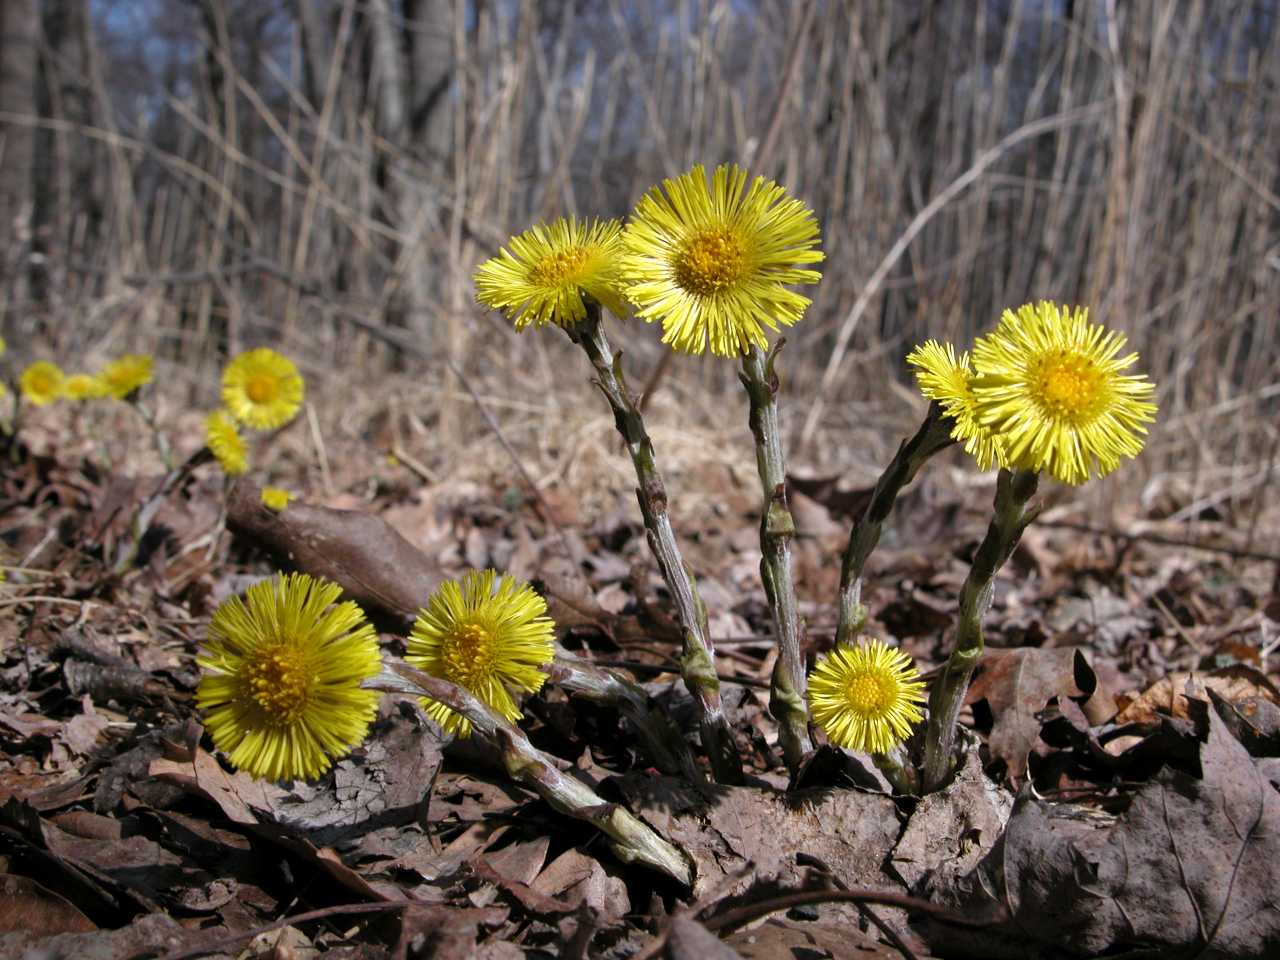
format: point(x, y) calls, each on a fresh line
point(281, 692)
point(712, 263)
point(944, 377)
point(262, 389)
point(488, 634)
point(83, 386)
point(274, 498)
point(1051, 385)
point(224, 441)
point(543, 276)
point(42, 383)
point(123, 376)
point(866, 697)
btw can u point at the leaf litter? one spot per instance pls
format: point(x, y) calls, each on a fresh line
point(1118, 793)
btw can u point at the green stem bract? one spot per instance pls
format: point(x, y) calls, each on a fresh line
point(1014, 489)
point(934, 435)
point(698, 661)
point(777, 529)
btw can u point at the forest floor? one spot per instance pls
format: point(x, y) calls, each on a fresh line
point(1120, 792)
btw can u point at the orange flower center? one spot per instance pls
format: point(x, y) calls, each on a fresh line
point(468, 655)
point(261, 387)
point(710, 261)
point(42, 383)
point(870, 693)
point(556, 268)
point(279, 682)
point(1068, 385)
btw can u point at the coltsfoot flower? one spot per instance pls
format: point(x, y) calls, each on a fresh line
point(543, 276)
point(274, 498)
point(83, 386)
point(1051, 385)
point(866, 697)
point(281, 693)
point(944, 377)
point(123, 376)
point(712, 263)
point(262, 389)
point(42, 383)
point(486, 633)
point(224, 441)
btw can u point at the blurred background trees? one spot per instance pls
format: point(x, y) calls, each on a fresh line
point(195, 176)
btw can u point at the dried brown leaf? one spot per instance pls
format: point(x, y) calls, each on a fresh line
point(26, 905)
point(1168, 695)
point(1018, 683)
point(1190, 869)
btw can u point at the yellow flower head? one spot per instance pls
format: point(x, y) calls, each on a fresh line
point(262, 389)
point(486, 633)
point(224, 441)
point(712, 263)
point(281, 692)
point(866, 697)
point(121, 377)
point(274, 498)
point(548, 269)
point(949, 379)
point(83, 386)
point(1051, 385)
point(42, 383)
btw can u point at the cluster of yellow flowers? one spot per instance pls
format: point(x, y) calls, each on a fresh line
point(283, 692)
point(1044, 391)
point(262, 390)
point(710, 261)
point(44, 382)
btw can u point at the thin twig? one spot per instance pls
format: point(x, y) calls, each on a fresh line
point(731, 919)
point(224, 942)
point(1035, 128)
point(1160, 539)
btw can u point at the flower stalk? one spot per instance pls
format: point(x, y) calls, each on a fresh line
point(630, 838)
point(662, 740)
point(1014, 490)
point(933, 436)
point(777, 529)
point(896, 765)
point(698, 661)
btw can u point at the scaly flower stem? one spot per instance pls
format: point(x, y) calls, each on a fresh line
point(898, 769)
point(662, 739)
point(631, 839)
point(777, 528)
point(934, 435)
point(698, 663)
point(1014, 489)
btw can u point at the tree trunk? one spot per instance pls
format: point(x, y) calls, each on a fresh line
point(410, 210)
point(19, 38)
point(63, 183)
